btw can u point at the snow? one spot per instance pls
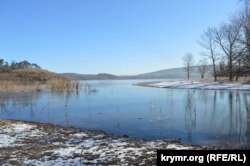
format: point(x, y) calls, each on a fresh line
point(80, 135)
point(201, 85)
point(74, 147)
point(16, 132)
point(6, 140)
point(18, 128)
point(177, 147)
point(66, 151)
point(68, 162)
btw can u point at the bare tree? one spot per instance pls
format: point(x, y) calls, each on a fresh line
point(188, 61)
point(207, 42)
point(228, 37)
point(221, 70)
point(238, 67)
point(232, 42)
point(244, 21)
point(203, 67)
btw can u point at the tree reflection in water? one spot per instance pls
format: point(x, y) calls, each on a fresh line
point(190, 114)
point(18, 101)
point(214, 117)
point(233, 127)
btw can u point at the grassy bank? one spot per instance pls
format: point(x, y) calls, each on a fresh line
point(28, 75)
point(35, 79)
point(56, 84)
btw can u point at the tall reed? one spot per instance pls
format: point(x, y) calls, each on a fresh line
point(56, 84)
point(62, 84)
point(18, 86)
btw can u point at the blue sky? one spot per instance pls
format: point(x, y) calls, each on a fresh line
point(121, 37)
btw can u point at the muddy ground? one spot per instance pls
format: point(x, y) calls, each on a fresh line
point(27, 143)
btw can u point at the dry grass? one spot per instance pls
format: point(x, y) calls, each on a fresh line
point(35, 80)
point(55, 84)
point(27, 75)
point(224, 80)
point(18, 86)
point(62, 84)
point(241, 79)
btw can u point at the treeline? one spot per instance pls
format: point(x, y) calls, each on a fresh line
point(228, 46)
point(5, 67)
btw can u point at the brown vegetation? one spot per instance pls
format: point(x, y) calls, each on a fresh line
point(35, 80)
point(18, 86)
point(28, 75)
point(63, 83)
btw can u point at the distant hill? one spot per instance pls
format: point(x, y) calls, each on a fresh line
point(100, 76)
point(175, 73)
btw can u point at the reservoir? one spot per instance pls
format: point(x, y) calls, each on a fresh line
point(119, 107)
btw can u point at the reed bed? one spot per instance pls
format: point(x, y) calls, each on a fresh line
point(62, 84)
point(56, 84)
point(18, 86)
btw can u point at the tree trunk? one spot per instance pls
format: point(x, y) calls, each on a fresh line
point(188, 71)
point(215, 75)
point(237, 75)
point(230, 70)
point(238, 72)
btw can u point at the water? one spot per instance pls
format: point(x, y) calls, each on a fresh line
point(118, 107)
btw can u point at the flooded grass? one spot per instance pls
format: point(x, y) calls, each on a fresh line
point(56, 84)
point(18, 86)
point(62, 84)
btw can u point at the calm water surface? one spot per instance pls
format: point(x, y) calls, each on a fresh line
point(213, 117)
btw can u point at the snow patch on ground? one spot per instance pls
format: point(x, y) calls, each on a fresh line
point(41, 144)
point(178, 147)
point(201, 85)
point(15, 132)
point(62, 152)
point(6, 140)
point(18, 128)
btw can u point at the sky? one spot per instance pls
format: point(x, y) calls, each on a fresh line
point(122, 37)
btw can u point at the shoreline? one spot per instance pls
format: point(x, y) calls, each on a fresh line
point(199, 85)
point(24, 143)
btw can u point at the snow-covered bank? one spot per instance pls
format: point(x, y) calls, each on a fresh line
point(23, 143)
point(200, 85)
